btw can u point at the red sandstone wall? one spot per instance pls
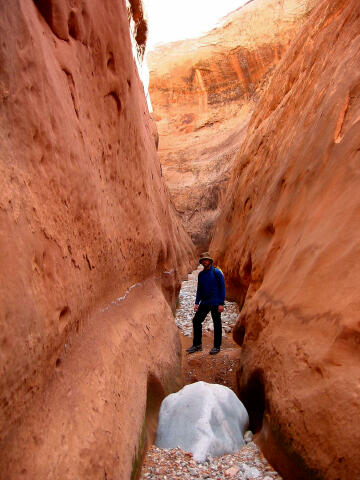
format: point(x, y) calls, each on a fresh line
point(203, 91)
point(193, 80)
point(84, 218)
point(288, 241)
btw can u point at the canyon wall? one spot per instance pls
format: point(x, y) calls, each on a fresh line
point(203, 92)
point(288, 242)
point(92, 253)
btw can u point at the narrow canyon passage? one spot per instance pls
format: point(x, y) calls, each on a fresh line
point(251, 152)
point(204, 91)
point(258, 126)
point(248, 463)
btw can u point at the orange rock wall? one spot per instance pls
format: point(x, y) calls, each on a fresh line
point(224, 65)
point(92, 254)
point(288, 242)
point(215, 79)
point(203, 91)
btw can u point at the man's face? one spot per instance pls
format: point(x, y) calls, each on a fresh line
point(206, 263)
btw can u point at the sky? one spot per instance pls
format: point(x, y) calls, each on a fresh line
point(171, 20)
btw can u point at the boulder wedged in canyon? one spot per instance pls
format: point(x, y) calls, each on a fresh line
point(203, 92)
point(205, 419)
point(92, 253)
point(288, 242)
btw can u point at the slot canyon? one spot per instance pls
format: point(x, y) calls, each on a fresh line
point(251, 152)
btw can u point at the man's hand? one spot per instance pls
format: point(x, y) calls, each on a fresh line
point(196, 308)
point(220, 308)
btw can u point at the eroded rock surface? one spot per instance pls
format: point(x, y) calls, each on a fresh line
point(92, 254)
point(203, 92)
point(288, 242)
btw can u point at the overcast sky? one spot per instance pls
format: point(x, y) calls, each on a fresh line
point(171, 20)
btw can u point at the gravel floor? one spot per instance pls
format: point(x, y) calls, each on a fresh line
point(170, 464)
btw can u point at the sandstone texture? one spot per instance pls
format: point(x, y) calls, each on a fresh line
point(92, 252)
point(288, 242)
point(203, 92)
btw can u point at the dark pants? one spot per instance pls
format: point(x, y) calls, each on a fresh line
point(200, 316)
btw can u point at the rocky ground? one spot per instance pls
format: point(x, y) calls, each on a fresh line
point(170, 464)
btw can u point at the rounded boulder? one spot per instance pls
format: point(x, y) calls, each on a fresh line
point(202, 418)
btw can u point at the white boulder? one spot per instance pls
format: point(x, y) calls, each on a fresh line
point(202, 418)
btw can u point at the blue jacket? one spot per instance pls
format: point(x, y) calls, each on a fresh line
point(211, 287)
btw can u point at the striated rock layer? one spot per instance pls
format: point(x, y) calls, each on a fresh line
point(288, 242)
point(203, 92)
point(91, 253)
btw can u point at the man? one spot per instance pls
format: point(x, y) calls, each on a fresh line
point(210, 297)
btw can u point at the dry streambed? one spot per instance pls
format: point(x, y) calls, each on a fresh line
point(169, 464)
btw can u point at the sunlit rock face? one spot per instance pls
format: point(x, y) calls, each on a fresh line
point(203, 92)
point(92, 253)
point(288, 242)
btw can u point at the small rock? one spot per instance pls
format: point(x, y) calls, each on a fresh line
point(248, 436)
point(232, 471)
point(250, 472)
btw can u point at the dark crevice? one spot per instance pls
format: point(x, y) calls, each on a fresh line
point(252, 394)
point(65, 312)
point(72, 89)
point(239, 334)
point(247, 205)
point(270, 229)
point(154, 397)
point(115, 96)
point(73, 25)
point(88, 261)
point(45, 8)
point(54, 13)
point(237, 287)
point(248, 270)
point(111, 62)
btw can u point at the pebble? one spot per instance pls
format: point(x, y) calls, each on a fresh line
point(232, 471)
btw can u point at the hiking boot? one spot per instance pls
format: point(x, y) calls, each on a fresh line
point(194, 348)
point(214, 351)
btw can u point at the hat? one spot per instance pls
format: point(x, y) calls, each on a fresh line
point(205, 256)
